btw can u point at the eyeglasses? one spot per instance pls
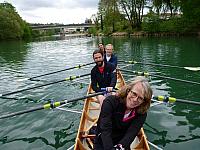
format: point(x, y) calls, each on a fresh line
point(135, 95)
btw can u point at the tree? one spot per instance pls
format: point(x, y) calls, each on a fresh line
point(88, 20)
point(133, 10)
point(11, 25)
point(110, 18)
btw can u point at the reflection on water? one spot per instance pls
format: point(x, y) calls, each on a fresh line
point(61, 139)
point(58, 37)
point(13, 52)
point(169, 126)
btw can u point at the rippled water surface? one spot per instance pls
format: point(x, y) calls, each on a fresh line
point(174, 126)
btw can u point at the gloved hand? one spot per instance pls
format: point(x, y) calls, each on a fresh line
point(119, 147)
point(109, 89)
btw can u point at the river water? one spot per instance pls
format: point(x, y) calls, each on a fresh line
point(169, 126)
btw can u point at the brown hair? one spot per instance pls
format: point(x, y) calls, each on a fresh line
point(123, 92)
point(97, 51)
point(103, 50)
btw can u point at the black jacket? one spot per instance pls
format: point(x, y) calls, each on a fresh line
point(111, 129)
point(102, 80)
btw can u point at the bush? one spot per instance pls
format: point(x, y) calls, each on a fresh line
point(93, 31)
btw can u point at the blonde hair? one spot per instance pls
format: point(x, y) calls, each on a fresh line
point(110, 46)
point(123, 92)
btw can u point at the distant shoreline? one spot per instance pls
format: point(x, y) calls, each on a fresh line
point(75, 34)
point(156, 34)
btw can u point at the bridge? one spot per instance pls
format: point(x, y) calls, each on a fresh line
point(64, 28)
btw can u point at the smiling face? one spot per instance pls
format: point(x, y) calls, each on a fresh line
point(109, 50)
point(135, 96)
point(98, 59)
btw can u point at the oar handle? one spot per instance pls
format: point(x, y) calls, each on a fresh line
point(106, 90)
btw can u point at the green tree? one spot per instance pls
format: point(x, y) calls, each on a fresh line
point(133, 10)
point(164, 15)
point(109, 16)
point(11, 25)
point(191, 10)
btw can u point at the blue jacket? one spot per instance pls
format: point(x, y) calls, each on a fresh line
point(113, 60)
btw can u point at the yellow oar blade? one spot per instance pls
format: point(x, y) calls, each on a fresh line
point(193, 68)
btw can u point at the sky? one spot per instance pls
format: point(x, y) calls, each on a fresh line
point(55, 11)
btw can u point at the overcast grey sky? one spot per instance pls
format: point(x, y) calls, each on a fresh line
point(55, 11)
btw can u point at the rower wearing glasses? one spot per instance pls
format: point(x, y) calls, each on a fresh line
point(122, 115)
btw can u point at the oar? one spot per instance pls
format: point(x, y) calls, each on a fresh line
point(66, 79)
point(172, 100)
point(162, 65)
point(48, 106)
point(153, 75)
point(193, 68)
point(155, 146)
point(78, 66)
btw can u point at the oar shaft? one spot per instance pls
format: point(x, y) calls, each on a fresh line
point(78, 66)
point(152, 64)
point(160, 65)
point(175, 79)
point(84, 97)
point(159, 76)
point(51, 105)
point(21, 112)
point(155, 146)
point(49, 73)
point(18, 91)
point(66, 79)
point(187, 101)
point(136, 72)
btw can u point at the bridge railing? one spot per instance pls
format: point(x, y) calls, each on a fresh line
point(84, 25)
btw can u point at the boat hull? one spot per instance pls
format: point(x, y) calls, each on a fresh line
point(89, 118)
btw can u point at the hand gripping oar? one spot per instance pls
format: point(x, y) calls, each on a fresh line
point(66, 79)
point(159, 76)
point(48, 106)
point(78, 66)
point(172, 100)
point(162, 65)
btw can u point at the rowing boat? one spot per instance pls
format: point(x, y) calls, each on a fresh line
point(89, 119)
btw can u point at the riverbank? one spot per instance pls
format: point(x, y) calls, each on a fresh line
point(159, 34)
point(75, 35)
point(60, 37)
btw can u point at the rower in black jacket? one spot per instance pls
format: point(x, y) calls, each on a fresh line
point(122, 116)
point(103, 75)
